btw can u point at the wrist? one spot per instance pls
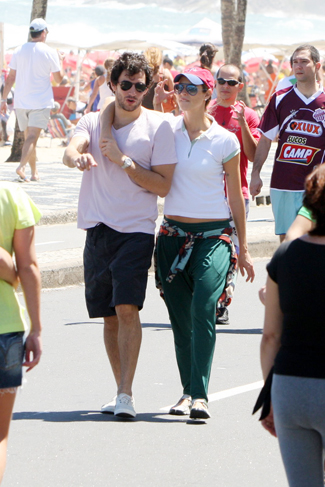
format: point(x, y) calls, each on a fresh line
point(126, 162)
point(3, 100)
point(243, 248)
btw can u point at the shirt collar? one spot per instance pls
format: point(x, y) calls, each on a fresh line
point(209, 133)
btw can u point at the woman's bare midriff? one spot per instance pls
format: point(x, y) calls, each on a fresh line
point(185, 219)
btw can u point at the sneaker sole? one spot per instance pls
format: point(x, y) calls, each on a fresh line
point(179, 412)
point(125, 414)
point(199, 414)
point(107, 412)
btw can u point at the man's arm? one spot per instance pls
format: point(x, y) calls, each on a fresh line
point(262, 151)
point(249, 141)
point(237, 206)
point(59, 75)
point(157, 180)
point(7, 268)
point(75, 154)
point(11, 78)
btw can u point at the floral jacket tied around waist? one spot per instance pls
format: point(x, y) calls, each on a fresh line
point(185, 251)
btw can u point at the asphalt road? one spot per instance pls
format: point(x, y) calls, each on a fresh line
point(59, 438)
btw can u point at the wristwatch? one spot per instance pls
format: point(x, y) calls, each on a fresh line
point(127, 163)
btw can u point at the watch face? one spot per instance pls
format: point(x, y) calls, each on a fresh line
point(127, 163)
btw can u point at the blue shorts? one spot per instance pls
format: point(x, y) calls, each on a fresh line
point(11, 359)
point(116, 269)
point(285, 207)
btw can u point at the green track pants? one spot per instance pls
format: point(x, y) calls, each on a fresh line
point(191, 300)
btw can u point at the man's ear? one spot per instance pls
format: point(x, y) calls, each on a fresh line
point(112, 86)
point(240, 87)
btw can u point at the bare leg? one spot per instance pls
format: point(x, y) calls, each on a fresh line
point(6, 406)
point(282, 237)
point(29, 151)
point(32, 163)
point(111, 344)
point(129, 342)
point(122, 338)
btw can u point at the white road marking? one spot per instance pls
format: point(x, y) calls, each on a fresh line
point(48, 243)
point(228, 392)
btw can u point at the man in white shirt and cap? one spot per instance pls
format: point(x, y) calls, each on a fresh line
point(30, 69)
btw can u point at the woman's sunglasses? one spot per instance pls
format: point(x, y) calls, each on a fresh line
point(230, 82)
point(127, 85)
point(191, 89)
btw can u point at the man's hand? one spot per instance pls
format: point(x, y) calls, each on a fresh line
point(239, 110)
point(245, 263)
point(84, 162)
point(161, 94)
point(33, 350)
point(256, 185)
point(111, 150)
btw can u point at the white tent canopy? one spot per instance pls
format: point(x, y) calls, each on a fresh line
point(140, 42)
point(204, 31)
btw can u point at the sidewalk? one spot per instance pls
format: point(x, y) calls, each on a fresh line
point(56, 195)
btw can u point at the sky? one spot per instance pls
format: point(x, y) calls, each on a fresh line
point(90, 22)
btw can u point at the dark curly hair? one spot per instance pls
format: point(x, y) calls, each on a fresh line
point(133, 64)
point(314, 198)
point(207, 52)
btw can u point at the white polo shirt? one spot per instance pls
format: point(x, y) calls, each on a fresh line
point(197, 189)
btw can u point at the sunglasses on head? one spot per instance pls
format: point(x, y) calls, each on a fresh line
point(190, 89)
point(230, 82)
point(127, 85)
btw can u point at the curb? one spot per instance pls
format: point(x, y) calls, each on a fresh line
point(70, 272)
point(70, 216)
point(59, 217)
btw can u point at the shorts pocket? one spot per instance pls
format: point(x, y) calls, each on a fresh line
point(11, 350)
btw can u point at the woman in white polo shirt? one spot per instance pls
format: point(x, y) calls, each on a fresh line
point(195, 265)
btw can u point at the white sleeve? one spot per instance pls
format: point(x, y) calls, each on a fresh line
point(231, 147)
point(84, 127)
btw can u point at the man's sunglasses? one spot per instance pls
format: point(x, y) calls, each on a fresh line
point(191, 89)
point(127, 85)
point(230, 82)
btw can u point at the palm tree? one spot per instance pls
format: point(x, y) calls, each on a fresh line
point(233, 17)
point(38, 10)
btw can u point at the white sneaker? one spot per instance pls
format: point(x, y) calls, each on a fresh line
point(109, 408)
point(125, 406)
point(183, 406)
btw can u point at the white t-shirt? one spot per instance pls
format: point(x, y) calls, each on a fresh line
point(34, 63)
point(197, 189)
point(108, 195)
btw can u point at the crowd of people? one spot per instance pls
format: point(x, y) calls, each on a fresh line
point(149, 131)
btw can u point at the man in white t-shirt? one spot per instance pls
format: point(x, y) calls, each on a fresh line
point(118, 208)
point(31, 66)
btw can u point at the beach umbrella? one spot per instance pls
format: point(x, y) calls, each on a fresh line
point(254, 57)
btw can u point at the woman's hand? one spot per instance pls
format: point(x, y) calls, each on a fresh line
point(33, 350)
point(245, 263)
point(261, 294)
point(268, 423)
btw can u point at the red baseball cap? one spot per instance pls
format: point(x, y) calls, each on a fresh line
point(197, 76)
